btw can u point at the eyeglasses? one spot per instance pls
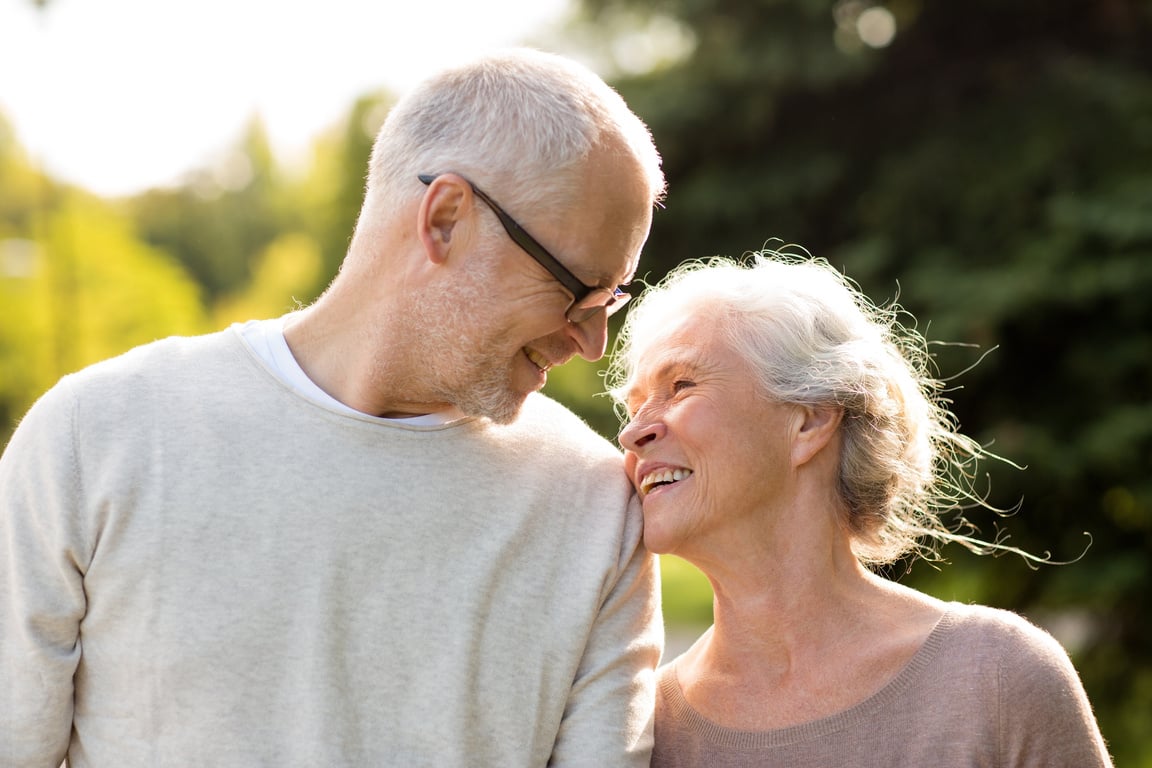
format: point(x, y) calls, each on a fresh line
point(587, 300)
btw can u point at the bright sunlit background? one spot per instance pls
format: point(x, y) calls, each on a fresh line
point(119, 95)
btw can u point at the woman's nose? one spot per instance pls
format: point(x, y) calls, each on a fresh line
point(639, 433)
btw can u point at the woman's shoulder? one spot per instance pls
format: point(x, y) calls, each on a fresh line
point(1043, 709)
point(995, 624)
point(1022, 649)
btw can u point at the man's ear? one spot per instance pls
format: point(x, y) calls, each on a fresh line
point(816, 428)
point(440, 211)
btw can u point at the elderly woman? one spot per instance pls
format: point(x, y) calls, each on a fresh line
point(784, 436)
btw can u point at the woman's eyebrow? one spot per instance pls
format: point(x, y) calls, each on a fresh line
point(687, 360)
point(687, 363)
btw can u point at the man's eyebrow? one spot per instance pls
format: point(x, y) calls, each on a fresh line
point(604, 280)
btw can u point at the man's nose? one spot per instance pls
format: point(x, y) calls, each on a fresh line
point(591, 336)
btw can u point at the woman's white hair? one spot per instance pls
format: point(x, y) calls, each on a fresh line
point(516, 122)
point(814, 339)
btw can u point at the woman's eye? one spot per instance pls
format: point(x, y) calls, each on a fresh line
point(681, 384)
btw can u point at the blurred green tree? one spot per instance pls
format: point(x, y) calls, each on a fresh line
point(333, 188)
point(77, 286)
point(222, 217)
point(288, 268)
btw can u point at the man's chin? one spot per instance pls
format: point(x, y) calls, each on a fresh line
point(499, 410)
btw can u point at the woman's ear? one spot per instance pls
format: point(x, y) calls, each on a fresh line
point(440, 211)
point(816, 429)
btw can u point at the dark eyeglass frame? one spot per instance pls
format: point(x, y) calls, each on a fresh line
point(582, 307)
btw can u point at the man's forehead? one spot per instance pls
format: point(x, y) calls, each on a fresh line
point(604, 279)
point(628, 273)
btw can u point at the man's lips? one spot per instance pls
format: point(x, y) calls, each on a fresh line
point(538, 359)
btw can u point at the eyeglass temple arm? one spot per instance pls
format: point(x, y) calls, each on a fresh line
point(578, 290)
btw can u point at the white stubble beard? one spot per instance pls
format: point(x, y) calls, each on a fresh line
point(462, 363)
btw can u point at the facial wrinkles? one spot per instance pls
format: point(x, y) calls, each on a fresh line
point(649, 399)
point(657, 371)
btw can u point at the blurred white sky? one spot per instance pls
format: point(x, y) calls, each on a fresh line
point(119, 95)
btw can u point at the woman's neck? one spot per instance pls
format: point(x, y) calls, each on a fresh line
point(797, 641)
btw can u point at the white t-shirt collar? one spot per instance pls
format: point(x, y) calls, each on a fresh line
point(266, 337)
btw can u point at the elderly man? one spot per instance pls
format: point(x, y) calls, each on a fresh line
point(357, 535)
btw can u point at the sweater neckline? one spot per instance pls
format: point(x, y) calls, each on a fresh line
point(862, 712)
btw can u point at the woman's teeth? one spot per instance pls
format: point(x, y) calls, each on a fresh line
point(663, 477)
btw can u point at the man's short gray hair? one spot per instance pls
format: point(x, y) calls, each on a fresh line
point(517, 122)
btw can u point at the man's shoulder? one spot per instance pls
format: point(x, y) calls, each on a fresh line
point(155, 370)
point(158, 355)
point(551, 435)
point(112, 389)
point(544, 415)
